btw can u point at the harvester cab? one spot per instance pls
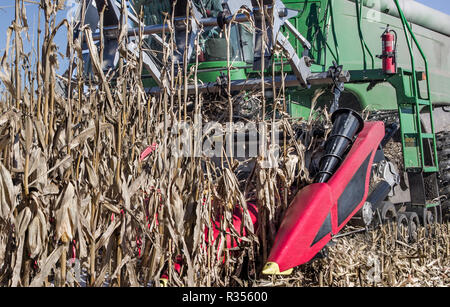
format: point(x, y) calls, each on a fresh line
point(206, 19)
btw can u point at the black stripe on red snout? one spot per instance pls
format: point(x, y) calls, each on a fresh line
point(324, 230)
point(354, 193)
point(349, 200)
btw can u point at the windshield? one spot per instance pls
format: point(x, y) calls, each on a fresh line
point(213, 44)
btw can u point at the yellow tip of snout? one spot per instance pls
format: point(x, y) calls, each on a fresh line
point(272, 268)
point(163, 282)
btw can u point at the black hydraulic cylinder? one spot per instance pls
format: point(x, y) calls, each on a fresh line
point(380, 193)
point(346, 125)
point(391, 130)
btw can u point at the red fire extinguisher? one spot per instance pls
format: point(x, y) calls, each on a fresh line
point(389, 56)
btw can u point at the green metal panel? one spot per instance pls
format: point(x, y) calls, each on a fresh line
point(381, 97)
point(311, 22)
point(299, 102)
point(337, 36)
point(435, 45)
point(210, 71)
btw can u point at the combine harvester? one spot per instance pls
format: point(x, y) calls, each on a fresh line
point(389, 56)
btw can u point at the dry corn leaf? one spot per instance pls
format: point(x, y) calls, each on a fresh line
point(37, 235)
point(8, 193)
point(67, 213)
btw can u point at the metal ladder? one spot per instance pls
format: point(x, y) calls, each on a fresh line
point(413, 138)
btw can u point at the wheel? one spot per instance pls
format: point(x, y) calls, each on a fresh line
point(443, 146)
point(444, 165)
point(445, 190)
point(445, 152)
point(413, 224)
point(403, 227)
point(388, 213)
point(432, 216)
point(446, 216)
point(439, 214)
point(445, 176)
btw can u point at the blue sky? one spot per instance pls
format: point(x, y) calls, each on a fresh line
point(7, 15)
point(441, 5)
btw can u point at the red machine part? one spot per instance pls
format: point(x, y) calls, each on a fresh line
point(237, 220)
point(389, 53)
point(321, 210)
